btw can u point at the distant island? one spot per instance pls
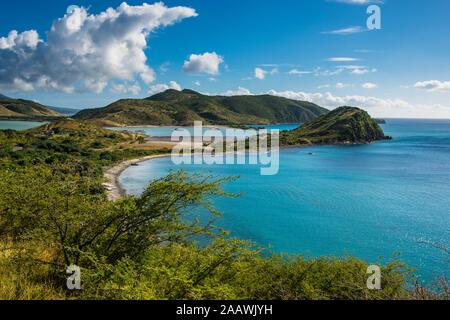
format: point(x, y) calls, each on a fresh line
point(182, 108)
point(26, 110)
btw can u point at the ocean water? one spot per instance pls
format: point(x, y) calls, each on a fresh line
point(370, 201)
point(167, 132)
point(19, 125)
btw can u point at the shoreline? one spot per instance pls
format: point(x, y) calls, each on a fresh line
point(115, 191)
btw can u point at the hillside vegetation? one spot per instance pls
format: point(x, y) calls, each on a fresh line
point(84, 133)
point(19, 109)
point(344, 125)
point(174, 107)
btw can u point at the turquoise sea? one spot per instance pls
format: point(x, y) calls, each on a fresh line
point(370, 200)
point(167, 132)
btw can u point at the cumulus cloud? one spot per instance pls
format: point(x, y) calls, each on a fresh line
point(163, 87)
point(377, 107)
point(123, 88)
point(433, 85)
point(207, 63)
point(260, 73)
point(84, 52)
point(240, 92)
point(369, 85)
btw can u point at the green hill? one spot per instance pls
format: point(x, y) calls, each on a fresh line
point(345, 125)
point(19, 109)
point(174, 107)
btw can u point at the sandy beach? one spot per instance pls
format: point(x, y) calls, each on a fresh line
point(113, 187)
point(115, 190)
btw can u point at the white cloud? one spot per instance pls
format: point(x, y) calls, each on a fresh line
point(351, 67)
point(18, 85)
point(433, 85)
point(240, 92)
point(341, 85)
point(377, 107)
point(163, 87)
point(212, 79)
point(360, 71)
point(298, 72)
point(197, 83)
point(84, 52)
point(260, 73)
point(208, 63)
point(328, 73)
point(357, 69)
point(369, 85)
point(342, 59)
point(346, 31)
point(123, 88)
point(274, 71)
point(28, 39)
point(174, 85)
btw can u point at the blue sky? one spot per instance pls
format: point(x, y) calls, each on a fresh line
point(289, 48)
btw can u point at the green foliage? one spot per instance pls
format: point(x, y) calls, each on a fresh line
point(174, 107)
point(140, 247)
